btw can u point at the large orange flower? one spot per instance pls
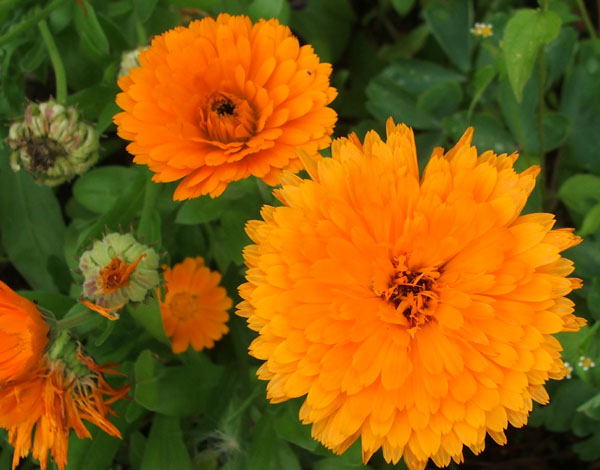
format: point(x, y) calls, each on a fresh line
point(414, 313)
point(23, 334)
point(224, 99)
point(194, 310)
point(55, 399)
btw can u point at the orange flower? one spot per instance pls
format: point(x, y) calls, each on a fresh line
point(194, 309)
point(224, 99)
point(56, 399)
point(414, 313)
point(23, 334)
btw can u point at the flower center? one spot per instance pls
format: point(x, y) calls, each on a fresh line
point(184, 305)
point(225, 118)
point(116, 274)
point(412, 293)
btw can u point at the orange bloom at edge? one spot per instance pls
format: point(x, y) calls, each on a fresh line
point(223, 99)
point(49, 402)
point(23, 335)
point(415, 313)
point(194, 310)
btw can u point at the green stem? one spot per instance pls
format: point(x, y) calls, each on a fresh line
point(151, 192)
point(586, 19)
point(540, 123)
point(74, 320)
point(57, 63)
point(29, 23)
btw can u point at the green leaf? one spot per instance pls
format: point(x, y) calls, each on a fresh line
point(524, 34)
point(558, 54)
point(416, 76)
point(557, 128)
point(591, 222)
point(450, 22)
point(589, 449)
point(580, 193)
point(57, 303)
point(89, 29)
point(402, 7)
point(289, 427)
point(137, 447)
point(326, 25)
point(33, 230)
point(483, 77)
point(266, 9)
point(148, 316)
point(165, 448)
point(144, 8)
point(441, 100)
point(200, 210)
point(385, 98)
point(99, 189)
point(178, 390)
point(490, 133)
point(120, 215)
point(581, 102)
point(593, 297)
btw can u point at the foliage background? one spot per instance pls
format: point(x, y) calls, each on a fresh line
point(415, 61)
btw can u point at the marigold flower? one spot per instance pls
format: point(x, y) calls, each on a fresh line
point(194, 310)
point(117, 269)
point(55, 397)
point(53, 143)
point(23, 335)
point(414, 313)
point(224, 99)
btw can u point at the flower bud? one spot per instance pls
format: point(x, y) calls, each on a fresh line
point(129, 60)
point(52, 143)
point(118, 269)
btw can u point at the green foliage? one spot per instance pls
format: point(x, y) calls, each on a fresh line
point(533, 86)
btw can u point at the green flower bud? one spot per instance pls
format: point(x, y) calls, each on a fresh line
point(129, 60)
point(52, 143)
point(118, 269)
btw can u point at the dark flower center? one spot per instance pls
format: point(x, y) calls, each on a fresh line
point(411, 292)
point(223, 107)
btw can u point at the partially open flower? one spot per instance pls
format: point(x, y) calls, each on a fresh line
point(23, 335)
point(117, 269)
point(55, 397)
point(52, 143)
point(194, 310)
point(224, 99)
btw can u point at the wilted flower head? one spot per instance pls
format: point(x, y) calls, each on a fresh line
point(23, 335)
point(194, 310)
point(412, 312)
point(224, 99)
point(52, 143)
point(118, 269)
point(482, 30)
point(63, 389)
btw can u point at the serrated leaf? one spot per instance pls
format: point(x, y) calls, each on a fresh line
point(524, 34)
